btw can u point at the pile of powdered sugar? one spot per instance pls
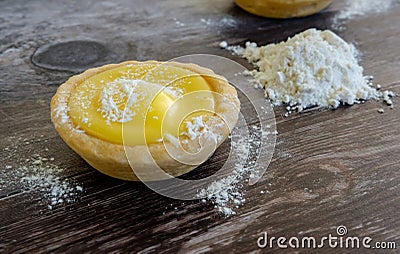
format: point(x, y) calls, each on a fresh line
point(314, 68)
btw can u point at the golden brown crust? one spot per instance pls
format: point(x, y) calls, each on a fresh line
point(283, 8)
point(110, 158)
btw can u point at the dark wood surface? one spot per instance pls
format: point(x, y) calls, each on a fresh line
point(330, 168)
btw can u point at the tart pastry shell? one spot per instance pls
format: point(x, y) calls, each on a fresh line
point(283, 9)
point(112, 159)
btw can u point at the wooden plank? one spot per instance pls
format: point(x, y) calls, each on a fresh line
point(330, 168)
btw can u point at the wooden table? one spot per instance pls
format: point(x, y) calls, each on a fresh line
point(330, 168)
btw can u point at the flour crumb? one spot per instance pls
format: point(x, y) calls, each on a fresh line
point(314, 68)
point(178, 23)
point(387, 97)
point(223, 44)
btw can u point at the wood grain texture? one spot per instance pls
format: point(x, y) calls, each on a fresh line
point(330, 168)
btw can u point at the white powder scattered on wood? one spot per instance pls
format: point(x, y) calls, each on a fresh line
point(314, 68)
point(38, 175)
point(227, 194)
point(178, 23)
point(360, 8)
point(227, 21)
point(47, 179)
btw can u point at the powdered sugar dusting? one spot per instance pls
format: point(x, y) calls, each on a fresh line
point(62, 112)
point(227, 194)
point(120, 98)
point(195, 127)
point(359, 8)
point(46, 179)
point(38, 175)
point(227, 21)
point(117, 99)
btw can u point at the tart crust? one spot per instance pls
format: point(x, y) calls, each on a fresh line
point(283, 9)
point(112, 159)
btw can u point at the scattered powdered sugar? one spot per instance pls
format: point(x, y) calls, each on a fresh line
point(120, 98)
point(62, 112)
point(117, 99)
point(38, 175)
point(174, 92)
point(314, 68)
point(195, 127)
point(359, 8)
point(178, 23)
point(228, 193)
point(221, 22)
point(46, 179)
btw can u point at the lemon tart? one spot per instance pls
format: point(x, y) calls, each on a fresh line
point(143, 115)
point(283, 8)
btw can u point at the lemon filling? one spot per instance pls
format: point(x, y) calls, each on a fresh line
point(138, 104)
